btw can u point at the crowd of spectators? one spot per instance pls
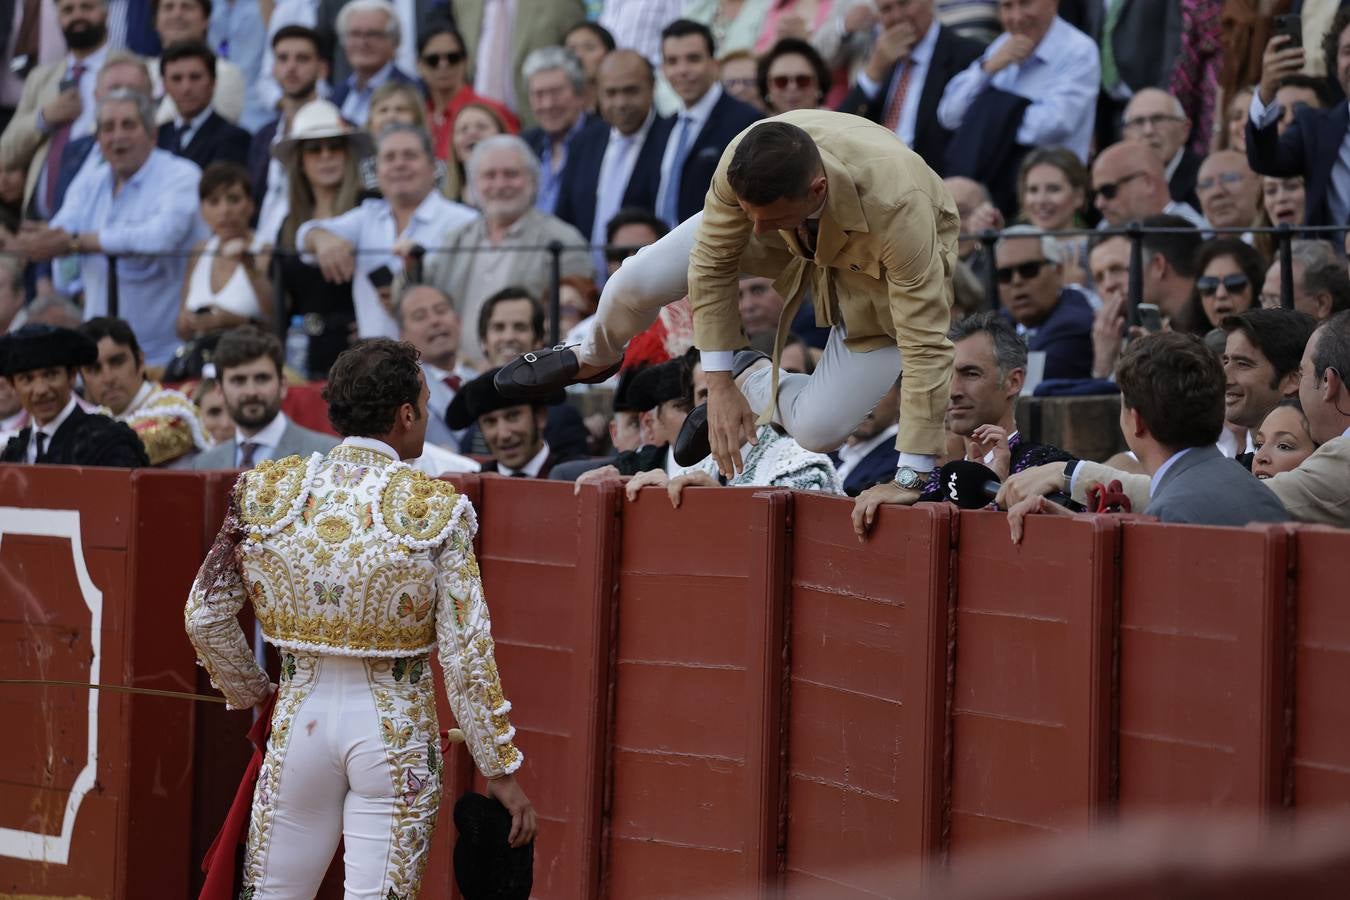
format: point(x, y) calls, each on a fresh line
point(223, 196)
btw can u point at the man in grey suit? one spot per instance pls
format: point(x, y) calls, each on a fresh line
point(1172, 405)
point(427, 319)
point(248, 365)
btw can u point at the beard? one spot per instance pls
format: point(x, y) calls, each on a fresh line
point(304, 92)
point(85, 36)
point(255, 413)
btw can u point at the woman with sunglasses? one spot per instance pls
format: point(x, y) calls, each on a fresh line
point(1230, 274)
point(792, 75)
point(442, 63)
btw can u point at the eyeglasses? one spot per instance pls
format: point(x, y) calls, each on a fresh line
point(368, 35)
point(1155, 121)
point(736, 84)
point(1228, 178)
point(1026, 271)
point(319, 145)
point(1109, 189)
point(1232, 284)
point(433, 60)
point(801, 82)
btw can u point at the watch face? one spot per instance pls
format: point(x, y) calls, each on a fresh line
point(907, 478)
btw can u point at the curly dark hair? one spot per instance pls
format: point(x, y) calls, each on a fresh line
point(367, 385)
point(1176, 385)
point(1331, 41)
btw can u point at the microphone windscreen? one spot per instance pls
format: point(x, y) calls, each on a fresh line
point(963, 483)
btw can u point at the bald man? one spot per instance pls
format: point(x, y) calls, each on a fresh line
point(1230, 192)
point(1158, 119)
point(1128, 184)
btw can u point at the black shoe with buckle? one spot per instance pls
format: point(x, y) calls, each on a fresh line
point(541, 373)
point(692, 444)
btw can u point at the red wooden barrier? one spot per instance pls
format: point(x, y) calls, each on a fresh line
point(867, 729)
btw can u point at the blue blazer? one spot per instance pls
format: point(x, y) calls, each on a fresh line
point(729, 117)
point(1309, 147)
point(874, 468)
point(259, 158)
point(341, 88)
point(72, 158)
point(217, 139)
point(1065, 337)
point(580, 182)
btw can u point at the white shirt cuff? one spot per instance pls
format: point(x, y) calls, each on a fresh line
point(717, 360)
point(1263, 116)
point(1073, 478)
point(919, 462)
point(868, 86)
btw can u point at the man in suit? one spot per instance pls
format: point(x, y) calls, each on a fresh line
point(248, 366)
point(427, 319)
point(910, 64)
point(869, 456)
point(498, 35)
point(1314, 146)
point(413, 20)
point(40, 362)
point(707, 120)
point(1129, 184)
point(611, 168)
point(820, 201)
point(189, 20)
point(1053, 319)
point(1261, 355)
point(557, 88)
point(197, 132)
point(57, 104)
point(1157, 119)
point(513, 431)
point(370, 34)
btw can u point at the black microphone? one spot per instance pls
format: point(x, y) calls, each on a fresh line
point(414, 273)
point(971, 485)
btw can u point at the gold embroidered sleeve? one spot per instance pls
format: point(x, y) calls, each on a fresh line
point(464, 636)
point(217, 595)
point(165, 438)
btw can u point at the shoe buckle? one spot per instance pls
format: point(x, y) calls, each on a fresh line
point(531, 358)
point(558, 348)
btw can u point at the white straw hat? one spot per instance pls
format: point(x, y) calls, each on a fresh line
point(316, 120)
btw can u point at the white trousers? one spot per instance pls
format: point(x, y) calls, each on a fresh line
point(819, 410)
point(354, 754)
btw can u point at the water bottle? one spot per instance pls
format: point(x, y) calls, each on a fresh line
point(297, 346)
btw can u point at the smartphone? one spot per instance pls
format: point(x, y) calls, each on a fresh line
point(381, 277)
point(1150, 317)
point(1291, 27)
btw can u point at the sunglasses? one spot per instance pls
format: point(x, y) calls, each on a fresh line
point(318, 146)
point(1026, 271)
point(1209, 284)
point(433, 60)
point(1111, 188)
point(801, 82)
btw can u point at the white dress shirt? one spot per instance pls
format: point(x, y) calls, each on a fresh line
point(531, 468)
point(49, 430)
point(1061, 78)
point(155, 212)
point(356, 105)
point(193, 126)
point(266, 440)
point(370, 226)
point(852, 454)
point(616, 170)
point(919, 59)
point(697, 116)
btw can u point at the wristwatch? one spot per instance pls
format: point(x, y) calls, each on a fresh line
point(908, 478)
point(75, 243)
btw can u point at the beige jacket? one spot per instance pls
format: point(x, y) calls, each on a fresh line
point(22, 145)
point(883, 265)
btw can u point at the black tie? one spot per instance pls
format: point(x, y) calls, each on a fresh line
point(519, 475)
point(41, 446)
point(806, 233)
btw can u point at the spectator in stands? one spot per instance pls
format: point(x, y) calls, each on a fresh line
point(978, 214)
point(211, 411)
point(1229, 192)
point(1283, 202)
point(53, 309)
point(1312, 145)
point(475, 122)
point(557, 91)
point(443, 65)
point(57, 103)
point(320, 153)
point(661, 395)
point(370, 34)
point(397, 103)
point(150, 226)
point(1229, 272)
point(916, 53)
point(1052, 187)
point(791, 75)
point(40, 362)
point(225, 286)
point(615, 167)
point(869, 456)
point(1260, 365)
point(187, 20)
point(738, 73)
point(1321, 285)
point(1138, 43)
point(1129, 185)
point(1297, 93)
point(629, 231)
point(760, 305)
point(577, 301)
point(165, 420)
point(1157, 119)
point(499, 37)
point(706, 122)
point(514, 432)
point(197, 132)
point(238, 32)
point(298, 66)
point(427, 320)
point(1053, 319)
point(1283, 441)
point(1234, 135)
point(410, 212)
point(480, 257)
point(248, 365)
point(12, 314)
point(589, 42)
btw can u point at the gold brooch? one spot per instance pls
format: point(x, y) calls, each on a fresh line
point(333, 529)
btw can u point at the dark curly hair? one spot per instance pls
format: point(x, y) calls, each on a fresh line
point(1176, 385)
point(1331, 41)
point(367, 385)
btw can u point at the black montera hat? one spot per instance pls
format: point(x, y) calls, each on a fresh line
point(40, 346)
point(655, 385)
point(480, 397)
point(486, 866)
